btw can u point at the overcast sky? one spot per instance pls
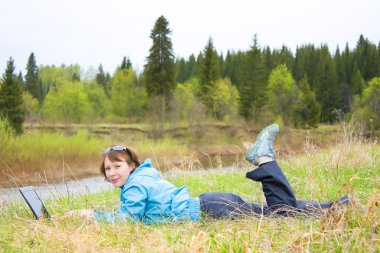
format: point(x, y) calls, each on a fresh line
point(90, 32)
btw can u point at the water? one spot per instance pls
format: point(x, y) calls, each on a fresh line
point(92, 184)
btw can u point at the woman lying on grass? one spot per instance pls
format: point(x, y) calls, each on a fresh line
point(146, 197)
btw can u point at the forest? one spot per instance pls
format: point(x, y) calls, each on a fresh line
point(301, 89)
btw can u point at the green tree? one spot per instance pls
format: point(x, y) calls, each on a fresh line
point(180, 73)
point(225, 100)
point(347, 62)
point(127, 98)
point(126, 63)
point(11, 99)
point(31, 78)
point(209, 73)
point(101, 79)
point(307, 109)
point(326, 85)
point(68, 102)
point(357, 80)
point(228, 66)
point(160, 69)
point(282, 93)
point(30, 104)
point(184, 100)
point(370, 104)
point(50, 74)
point(344, 86)
point(252, 81)
point(305, 60)
point(21, 81)
point(365, 57)
point(100, 103)
point(286, 57)
point(190, 67)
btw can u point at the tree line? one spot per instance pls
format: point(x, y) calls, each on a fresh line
point(261, 85)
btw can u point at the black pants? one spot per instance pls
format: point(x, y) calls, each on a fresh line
point(278, 193)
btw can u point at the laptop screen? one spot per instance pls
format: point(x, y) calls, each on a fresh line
point(34, 202)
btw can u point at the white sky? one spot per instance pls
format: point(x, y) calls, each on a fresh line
point(90, 32)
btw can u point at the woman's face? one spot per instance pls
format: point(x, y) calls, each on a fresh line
point(117, 172)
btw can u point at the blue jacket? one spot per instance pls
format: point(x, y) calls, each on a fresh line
point(149, 198)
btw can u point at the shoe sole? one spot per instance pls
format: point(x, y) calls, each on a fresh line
point(253, 148)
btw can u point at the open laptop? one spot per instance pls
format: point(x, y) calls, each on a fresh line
point(34, 201)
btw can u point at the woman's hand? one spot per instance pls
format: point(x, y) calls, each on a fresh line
point(83, 213)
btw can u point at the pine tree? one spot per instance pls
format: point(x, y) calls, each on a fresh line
point(344, 86)
point(180, 66)
point(231, 64)
point(160, 69)
point(326, 85)
point(286, 57)
point(11, 99)
point(308, 109)
point(198, 65)
point(190, 66)
point(347, 62)
point(365, 57)
point(21, 81)
point(252, 81)
point(101, 79)
point(126, 63)
point(209, 73)
point(358, 83)
point(31, 78)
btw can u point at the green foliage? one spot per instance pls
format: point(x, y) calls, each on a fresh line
point(326, 85)
point(282, 93)
point(31, 104)
point(252, 82)
point(225, 100)
point(209, 73)
point(307, 109)
point(101, 79)
point(49, 75)
point(160, 69)
point(335, 79)
point(31, 78)
point(185, 105)
point(100, 103)
point(184, 97)
point(358, 83)
point(365, 56)
point(126, 63)
point(11, 99)
point(68, 102)
point(128, 99)
point(180, 71)
point(370, 104)
point(6, 133)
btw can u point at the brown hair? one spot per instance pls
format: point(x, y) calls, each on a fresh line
point(130, 155)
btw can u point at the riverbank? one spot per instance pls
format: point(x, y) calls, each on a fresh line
point(56, 153)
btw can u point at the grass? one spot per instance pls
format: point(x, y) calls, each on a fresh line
point(351, 166)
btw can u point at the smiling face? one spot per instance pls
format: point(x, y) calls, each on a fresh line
point(117, 172)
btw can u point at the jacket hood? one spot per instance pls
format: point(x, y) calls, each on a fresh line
point(145, 169)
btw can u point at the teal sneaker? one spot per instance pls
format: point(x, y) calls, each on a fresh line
point(263, 145)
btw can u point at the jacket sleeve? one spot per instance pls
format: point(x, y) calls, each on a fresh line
point(132, 208)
